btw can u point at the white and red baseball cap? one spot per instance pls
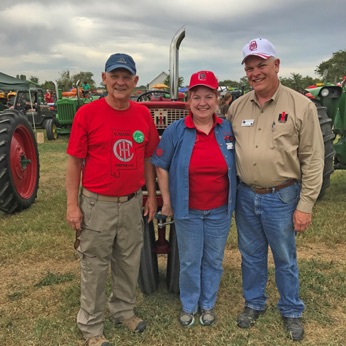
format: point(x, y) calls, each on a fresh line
point(260, 47)
point(204, 78)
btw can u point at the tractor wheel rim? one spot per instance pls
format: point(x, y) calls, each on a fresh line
point(55, 131)
point(23, 162)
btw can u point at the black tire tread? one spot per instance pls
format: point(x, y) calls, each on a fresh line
point(173, 264)
point(329, 152)
point(148, 278)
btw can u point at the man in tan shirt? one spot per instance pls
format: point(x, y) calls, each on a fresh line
point(280, 158)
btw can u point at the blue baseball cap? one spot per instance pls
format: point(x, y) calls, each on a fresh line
point(120, 60)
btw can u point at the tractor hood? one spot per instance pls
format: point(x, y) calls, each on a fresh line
point(328, 96)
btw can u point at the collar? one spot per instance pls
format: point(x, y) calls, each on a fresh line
point(253, 96)
point(190, 124)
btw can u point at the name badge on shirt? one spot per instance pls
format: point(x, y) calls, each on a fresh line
point(248, 122)
point(229, 146)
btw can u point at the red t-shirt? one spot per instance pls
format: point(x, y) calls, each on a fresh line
point(114, 144)
point(48, 97)
point(208, 173)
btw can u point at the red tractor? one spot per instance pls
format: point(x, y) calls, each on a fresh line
point(157, 242)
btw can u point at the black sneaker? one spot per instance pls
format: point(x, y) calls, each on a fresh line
point(248, 316)
point(207, 317)
point(295, 328)
point(186, 319)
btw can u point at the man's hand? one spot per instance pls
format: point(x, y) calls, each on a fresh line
point(167, 209)
point(74, 217)
point(301, 220)
point(150, 207)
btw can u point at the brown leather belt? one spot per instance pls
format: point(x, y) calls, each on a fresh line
point(264, 190)
point(121, 199)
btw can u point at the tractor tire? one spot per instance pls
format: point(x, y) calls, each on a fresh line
point(148, 278)
point(51, 129)
point(329, 152)
point(173, 265)
point(19, 163)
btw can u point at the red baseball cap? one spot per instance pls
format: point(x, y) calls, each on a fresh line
point(204, 78)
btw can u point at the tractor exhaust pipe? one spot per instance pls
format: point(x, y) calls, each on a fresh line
point(174, 62)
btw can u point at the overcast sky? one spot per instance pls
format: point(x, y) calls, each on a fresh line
point(43, 38)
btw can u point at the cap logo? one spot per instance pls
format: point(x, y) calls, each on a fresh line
point(122, 60)
point(202, 76)
point(253, 45)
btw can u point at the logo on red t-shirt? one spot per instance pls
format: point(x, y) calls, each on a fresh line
point(123, 151)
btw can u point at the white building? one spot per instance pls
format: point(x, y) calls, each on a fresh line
point(158, 80)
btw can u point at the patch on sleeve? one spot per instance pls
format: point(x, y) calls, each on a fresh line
point(159, 152)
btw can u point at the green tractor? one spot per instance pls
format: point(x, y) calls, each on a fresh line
point(66, 108)
point(330, 101)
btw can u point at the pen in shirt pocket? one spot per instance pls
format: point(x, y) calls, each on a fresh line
point(273, 124)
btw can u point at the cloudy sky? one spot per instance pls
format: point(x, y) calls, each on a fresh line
point(44, 38)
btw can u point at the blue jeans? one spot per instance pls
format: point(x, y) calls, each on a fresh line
point(262, 220)
point(201, 240)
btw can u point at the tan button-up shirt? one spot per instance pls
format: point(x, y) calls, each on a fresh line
point(279, 141)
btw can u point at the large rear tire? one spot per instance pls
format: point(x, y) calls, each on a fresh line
point(148, 278)
point(173, 265)
point(19, 163)
point(329, 152)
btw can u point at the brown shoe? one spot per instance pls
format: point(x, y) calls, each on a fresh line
point(99, 340)
point(135, 324)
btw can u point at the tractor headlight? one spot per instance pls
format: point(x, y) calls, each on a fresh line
point(325, 92)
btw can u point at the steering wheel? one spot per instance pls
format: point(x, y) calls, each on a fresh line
point(147, 95)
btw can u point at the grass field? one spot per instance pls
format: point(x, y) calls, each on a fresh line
point(39, 285)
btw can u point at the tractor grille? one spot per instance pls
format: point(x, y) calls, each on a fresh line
point(163, 117)
point(66, 112)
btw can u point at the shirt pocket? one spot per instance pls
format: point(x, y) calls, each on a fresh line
point(284, 137)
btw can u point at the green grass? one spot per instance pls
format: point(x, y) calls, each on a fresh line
point(39, 286)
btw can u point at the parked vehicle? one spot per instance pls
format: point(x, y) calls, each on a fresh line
point(32, 104)
point(67, 107)
point(330, 101)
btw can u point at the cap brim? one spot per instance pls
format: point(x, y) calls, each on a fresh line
point(201, 84)
point(263, 56)
point(116, 66)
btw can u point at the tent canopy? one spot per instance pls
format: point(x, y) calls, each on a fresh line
point(8, 83)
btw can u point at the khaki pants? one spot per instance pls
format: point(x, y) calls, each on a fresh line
point(112, 233)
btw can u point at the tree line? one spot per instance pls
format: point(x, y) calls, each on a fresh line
point(331, 70)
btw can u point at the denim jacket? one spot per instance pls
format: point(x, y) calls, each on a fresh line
point(173, 154)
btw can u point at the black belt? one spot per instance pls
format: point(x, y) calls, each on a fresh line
point(121, 199)
point(264, 190)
